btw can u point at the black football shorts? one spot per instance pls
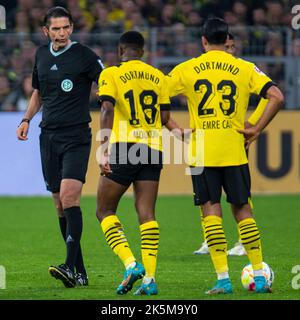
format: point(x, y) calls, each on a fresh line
point(131, 162)
point(235, 181)
point(64, 155)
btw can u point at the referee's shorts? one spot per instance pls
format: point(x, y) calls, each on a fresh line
point(235, 180)
point(64, 155)
point(131, 162)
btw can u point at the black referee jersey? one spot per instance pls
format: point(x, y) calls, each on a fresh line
point(64, 80)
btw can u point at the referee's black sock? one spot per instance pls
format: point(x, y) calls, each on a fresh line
point(74, 229)
point(79, 261)
point(63, 226)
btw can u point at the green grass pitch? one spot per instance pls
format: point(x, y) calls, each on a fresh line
point(30, 241)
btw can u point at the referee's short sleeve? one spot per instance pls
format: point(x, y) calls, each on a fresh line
point(93, 65)
point(35, 76)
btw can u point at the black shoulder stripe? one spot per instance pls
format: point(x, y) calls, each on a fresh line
point(106, 98)
point(265, 88)
point(165, 106)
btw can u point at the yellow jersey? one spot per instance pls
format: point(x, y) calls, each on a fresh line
point(257, 113)
point(217, 86)
point(138, 92)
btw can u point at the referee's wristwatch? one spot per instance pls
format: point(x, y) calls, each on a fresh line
point(24, 120)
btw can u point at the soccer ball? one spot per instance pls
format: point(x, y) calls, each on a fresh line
point(247, 276)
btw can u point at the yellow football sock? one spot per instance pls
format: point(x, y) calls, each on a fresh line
point(216, 241)
point(250, 237)
point(116, 239)
point(149, 244)
point(251, 206)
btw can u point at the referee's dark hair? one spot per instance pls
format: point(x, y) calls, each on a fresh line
point(132, 39)
point(215, 30)
point(57, 12)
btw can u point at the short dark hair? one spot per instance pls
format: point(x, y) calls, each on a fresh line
point(230, 36)
point(215, 30)
point(132, 39)
point(57, 12)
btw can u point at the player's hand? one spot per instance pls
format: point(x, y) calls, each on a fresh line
point(182, 134)
point(177, 132)
point(22, 131)
point(104, 165)
point(186, 134)
point(248, 125)
point(250, 134)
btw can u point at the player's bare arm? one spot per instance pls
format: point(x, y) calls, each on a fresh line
point(106, 124)
point(248, 125)
point(165, 117)
point(33, 108)
point(179, 132)
point(275, 103)
point(174, 127)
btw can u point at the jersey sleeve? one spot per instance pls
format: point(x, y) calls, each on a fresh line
point(174, 82)
point(93, 65)
point(257, 113)
point(35, 76)
point(165, 103)
point(259, 82)
point(107, 86)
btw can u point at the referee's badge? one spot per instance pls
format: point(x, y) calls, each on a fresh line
point(67, 85)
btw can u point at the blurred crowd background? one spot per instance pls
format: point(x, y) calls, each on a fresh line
point(262, 31)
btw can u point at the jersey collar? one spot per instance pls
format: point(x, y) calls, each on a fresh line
point(134, 61)
point(57, 53)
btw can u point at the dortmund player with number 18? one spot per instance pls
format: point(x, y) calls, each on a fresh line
point(134, 105)
point(217, 86)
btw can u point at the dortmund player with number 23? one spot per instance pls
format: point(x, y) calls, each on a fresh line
point(217, 86)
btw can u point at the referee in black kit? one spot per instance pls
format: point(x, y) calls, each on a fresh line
point(62, 77)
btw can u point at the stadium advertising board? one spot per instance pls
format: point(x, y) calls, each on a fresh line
point(274, 159)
